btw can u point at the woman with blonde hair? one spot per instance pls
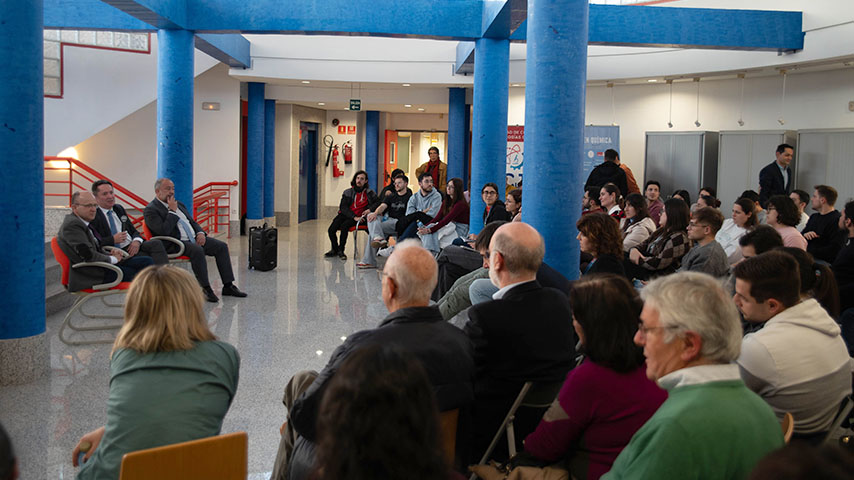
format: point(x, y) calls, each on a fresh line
point(171, 380)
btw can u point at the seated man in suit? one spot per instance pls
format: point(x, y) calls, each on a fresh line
point(167, 216)
point(77, 240)
point(113, 228)
point(524, 334)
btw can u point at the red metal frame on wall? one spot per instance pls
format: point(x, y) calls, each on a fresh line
point(62, 46)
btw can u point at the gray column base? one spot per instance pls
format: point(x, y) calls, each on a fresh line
point(234, 228)
point(283, 219)
point(270, 221)
point(253, 223)
point(23, 360)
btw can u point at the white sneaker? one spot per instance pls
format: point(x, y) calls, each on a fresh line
point(385, 252)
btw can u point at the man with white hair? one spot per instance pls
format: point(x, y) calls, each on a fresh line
point(711, 425)
point(408, 279)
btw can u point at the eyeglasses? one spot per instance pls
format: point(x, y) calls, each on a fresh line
point(770, 207)
point(489, 192)
point(87, 205)
point(644, 330)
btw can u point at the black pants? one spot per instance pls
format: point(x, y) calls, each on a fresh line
point(408, 220)
point(155, 250)
point(213, 248)
point(343, 223)
point(130, 267)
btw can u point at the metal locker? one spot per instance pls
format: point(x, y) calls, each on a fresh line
point(742, 155)
point(681, 160)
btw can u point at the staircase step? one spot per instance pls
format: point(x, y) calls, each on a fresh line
point(57, 299)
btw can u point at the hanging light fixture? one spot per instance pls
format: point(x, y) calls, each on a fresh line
point(670, 118)
point(613, 107)
point(697, 120)
point(781, 120)
point(741, 103)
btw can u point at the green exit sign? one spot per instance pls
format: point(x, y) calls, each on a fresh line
point(355, 104)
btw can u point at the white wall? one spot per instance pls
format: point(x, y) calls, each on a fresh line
point(127, 151)
point(332, 187)
point(284, 166)
point(813, 100)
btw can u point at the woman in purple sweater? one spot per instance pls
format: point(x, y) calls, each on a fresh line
point(450, 223)
point(607, 398)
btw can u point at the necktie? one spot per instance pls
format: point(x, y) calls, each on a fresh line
point(112, 220)
point(185, 226)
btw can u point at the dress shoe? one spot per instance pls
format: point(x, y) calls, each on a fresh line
point(231, 290)
point(210, 295)
point(379, 243)
point(331, 253)
point(365, 266)
point(342, 255)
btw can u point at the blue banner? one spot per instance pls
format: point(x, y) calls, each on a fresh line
point(597, 139)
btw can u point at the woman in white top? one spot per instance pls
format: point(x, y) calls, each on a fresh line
point(638, 225)
point(609, 198)
point(743, 219)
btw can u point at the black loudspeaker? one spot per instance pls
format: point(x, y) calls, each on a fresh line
point(262, 248)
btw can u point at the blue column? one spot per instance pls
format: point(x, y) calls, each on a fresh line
point(372, 150)
point(456, 132)
point(175, 77)
point(255, 153)
point(556, 77)
point(467, 145)
point(23, 351)
point(489, 122)
point(269, 157)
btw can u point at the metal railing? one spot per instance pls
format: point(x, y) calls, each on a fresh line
point(212, 206)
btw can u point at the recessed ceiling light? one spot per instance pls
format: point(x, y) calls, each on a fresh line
point(420, 109)
point(321, 103)
point(305, 81)
point(515, 84)
point(408, 106)
point(407, 85)
point(652, 80)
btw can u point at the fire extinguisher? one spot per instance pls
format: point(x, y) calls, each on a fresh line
point(347, 150)
point(336, 172)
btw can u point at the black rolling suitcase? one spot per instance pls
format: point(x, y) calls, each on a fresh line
point(262, 248)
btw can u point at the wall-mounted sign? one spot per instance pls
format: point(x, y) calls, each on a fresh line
point(342, 129)
point(351, 129)
point(355, 104)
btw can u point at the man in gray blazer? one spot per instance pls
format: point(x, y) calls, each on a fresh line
point(79, 242)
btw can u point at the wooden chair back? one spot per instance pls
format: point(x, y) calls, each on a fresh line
point(788, 426)
point(223, 457)
point(448, 433)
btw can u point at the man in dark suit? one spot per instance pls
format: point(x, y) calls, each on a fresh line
point(524, 334)
point(112, 224)
point(776, 177)
point(166, 216)
point(79, 242)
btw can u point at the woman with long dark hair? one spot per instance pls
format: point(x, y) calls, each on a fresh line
point(817, 281)
point(638, 225)
point(608, 397)
point(514, 204)
point(599, 236)
point(783, 215)
point(610, 198)
point(743, 219)
point(450, 223)
point(662, 252)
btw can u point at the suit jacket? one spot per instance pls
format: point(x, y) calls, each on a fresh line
point(102, 225)
point(527, 335)
point(771, 182)
point(160, 222)
point(72, 233)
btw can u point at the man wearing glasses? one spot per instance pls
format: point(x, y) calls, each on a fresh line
point(690, 336)
point(77, 240)
point(707, 255)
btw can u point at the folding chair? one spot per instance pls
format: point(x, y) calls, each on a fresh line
point(177, 257)
point(539, 395)
point(101, 291)
point(223, 457)
point(448, 433)
point(842, 416)
point(360, 227)
point(788, 426)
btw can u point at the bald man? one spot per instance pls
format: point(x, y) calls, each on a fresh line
point(523, 334)
point(414, 325)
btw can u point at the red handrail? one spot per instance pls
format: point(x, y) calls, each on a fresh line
point(208, 202)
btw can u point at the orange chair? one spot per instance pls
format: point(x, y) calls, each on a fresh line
point(173, 257)
point(223, 457)
point(101, 291)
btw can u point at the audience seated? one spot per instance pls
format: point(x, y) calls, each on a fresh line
point(354, 207)
point(843, 265)
point(798, 362)
point(763, 238)
point(822, 232)
point(638, 225)
point(760, 212)
point(590, 201)
point(783, 216)
point(704, 192)
point(662, 252)
point(707, 201)
point(166, 216)
point(8, 463)
point(682, 195)
point(652, 191)
point(525, 334)
point(599, 236)
point(711, 425)
point(610, 198)
point(817, 280)
point(801, 199)
point(742, 220)
point(408, 278)
point(390, 188)
point(78, 241)
point(801, 461)
point(423, 206)
point(706, 255)
point(514, 204)
point(382, 222)
point(171, 380)
point(608, 397)
point(450, 223)
point(378, 420)
point(494, 209)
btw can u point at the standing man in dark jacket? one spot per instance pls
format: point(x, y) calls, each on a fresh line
point(445, 353)
point(524, 334)
point(609, 171)
point(776, 177)
point(354, 207)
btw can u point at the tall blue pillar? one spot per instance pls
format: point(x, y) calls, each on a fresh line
point(269, 157)
point(372, 150)
point(556, 77)
point(255, 155)
point(467, 145)
point(489, 122)
point(23, 348)
point(456, 132)
point(175, 77)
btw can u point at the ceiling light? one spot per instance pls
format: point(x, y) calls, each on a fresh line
point(306, 81)
point(321, 103)
point(515, 84)
point(408, 106)
point(652, 80)
point(420, 109)
point(407, 85)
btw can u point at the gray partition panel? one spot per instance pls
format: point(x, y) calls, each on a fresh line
point(681, 160)
point(826, 157)
point(742, 155)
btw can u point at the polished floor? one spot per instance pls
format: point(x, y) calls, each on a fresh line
point(293, 318)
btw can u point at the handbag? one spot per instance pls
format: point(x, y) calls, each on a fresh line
point(521, 466)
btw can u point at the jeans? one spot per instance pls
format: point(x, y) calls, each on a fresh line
point(377, 229)
point(481, 290)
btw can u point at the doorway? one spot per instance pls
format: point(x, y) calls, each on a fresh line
point(307, 171)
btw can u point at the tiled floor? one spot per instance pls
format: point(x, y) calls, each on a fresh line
point(293, 318)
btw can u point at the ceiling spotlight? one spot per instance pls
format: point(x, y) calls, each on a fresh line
point(408, 106)
point(697, 123)
point(321, 103)
point(407, 85)
point(306, 81)
point(420, 109)
point(669, 125)
point(652, 80)
point(740, 122)
point(515, 84)
point(781, 121)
